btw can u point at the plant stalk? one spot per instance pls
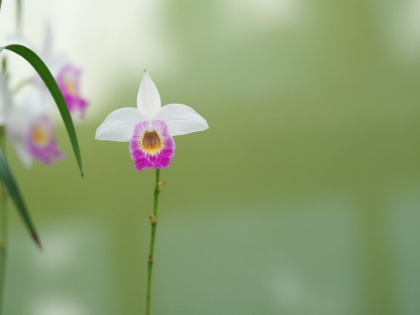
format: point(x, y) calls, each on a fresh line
point(21, 85)
point(3, 231)
point(153, 223)
point(19, 17)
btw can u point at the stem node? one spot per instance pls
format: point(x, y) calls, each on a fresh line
point(160, 186)
point(153, 219)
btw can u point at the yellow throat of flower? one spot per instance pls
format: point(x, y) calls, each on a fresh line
point(40, 135)
point(151, 142)
point(70, 86)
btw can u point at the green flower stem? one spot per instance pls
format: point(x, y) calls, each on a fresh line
point(3, 229)
point(153, 222)
point(20, 85)
point(19, 17)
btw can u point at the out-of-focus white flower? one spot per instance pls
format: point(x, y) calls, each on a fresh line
point(66, 75)
point(28, 127)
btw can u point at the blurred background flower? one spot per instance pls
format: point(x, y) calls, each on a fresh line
point(28, 128)
point(306, 203)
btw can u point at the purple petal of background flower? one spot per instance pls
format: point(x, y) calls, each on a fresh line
point(75, 102)
point(44, 153)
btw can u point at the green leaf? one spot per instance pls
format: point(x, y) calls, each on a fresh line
point(11, 185)
point(52, 86)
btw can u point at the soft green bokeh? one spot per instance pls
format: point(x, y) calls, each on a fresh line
point(301, 198)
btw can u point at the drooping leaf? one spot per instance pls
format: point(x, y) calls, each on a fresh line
point(52, 86)
point(14, 192)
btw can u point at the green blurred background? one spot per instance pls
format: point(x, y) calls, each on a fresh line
point(301, 198)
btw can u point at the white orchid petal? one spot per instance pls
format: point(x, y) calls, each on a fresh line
point(18, 121)
point(148, 98)
point(181, 119)
point(21, 151)
point(119, 125)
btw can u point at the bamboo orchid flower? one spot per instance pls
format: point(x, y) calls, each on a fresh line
point(29, 129)
point(150, 128)
point(67, 76)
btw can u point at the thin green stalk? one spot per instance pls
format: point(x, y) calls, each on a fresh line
point(19, 17)
point(3, 231)
point(153, 222)
point(20, 85)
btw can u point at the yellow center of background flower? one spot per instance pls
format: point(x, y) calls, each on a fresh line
point(40, 135)
point(70, 86)
point(151, 142)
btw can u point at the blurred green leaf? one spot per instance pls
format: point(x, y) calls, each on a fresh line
point(11, 185)
point(4, 64)
point(52, 86)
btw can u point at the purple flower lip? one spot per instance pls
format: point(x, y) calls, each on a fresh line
point(41, 143)
point(68, 80)
point(151, 146)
